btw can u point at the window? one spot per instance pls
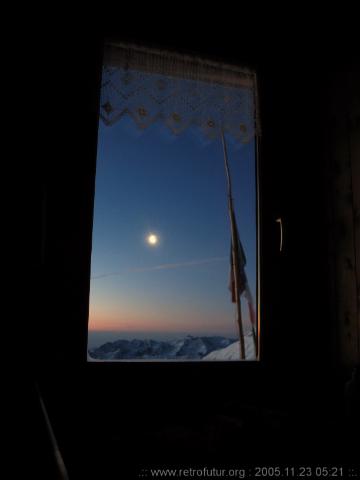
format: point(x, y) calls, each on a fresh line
point(174, 260)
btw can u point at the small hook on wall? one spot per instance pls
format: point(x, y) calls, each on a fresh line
point(279, 221)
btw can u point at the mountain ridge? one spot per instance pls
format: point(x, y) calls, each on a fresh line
point(185, 348)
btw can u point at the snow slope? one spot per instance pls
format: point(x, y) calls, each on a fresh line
point(232, 351)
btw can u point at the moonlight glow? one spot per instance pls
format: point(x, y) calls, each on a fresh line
point(152, 239)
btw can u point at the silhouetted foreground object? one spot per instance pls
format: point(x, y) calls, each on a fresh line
point(37, 452)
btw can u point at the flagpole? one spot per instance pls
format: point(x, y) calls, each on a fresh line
point(252, 314)
point(234, 253)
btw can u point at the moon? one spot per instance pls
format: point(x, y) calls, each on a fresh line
point(152, 239)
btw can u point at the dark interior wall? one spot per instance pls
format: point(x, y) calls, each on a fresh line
point(301, 367)
point(343, 143)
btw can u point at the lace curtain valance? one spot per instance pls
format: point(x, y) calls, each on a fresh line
point(179, 90)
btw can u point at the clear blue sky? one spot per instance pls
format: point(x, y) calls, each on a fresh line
point(151, 181)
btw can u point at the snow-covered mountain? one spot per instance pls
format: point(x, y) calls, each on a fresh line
point(232, 351)
point(187, 348)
